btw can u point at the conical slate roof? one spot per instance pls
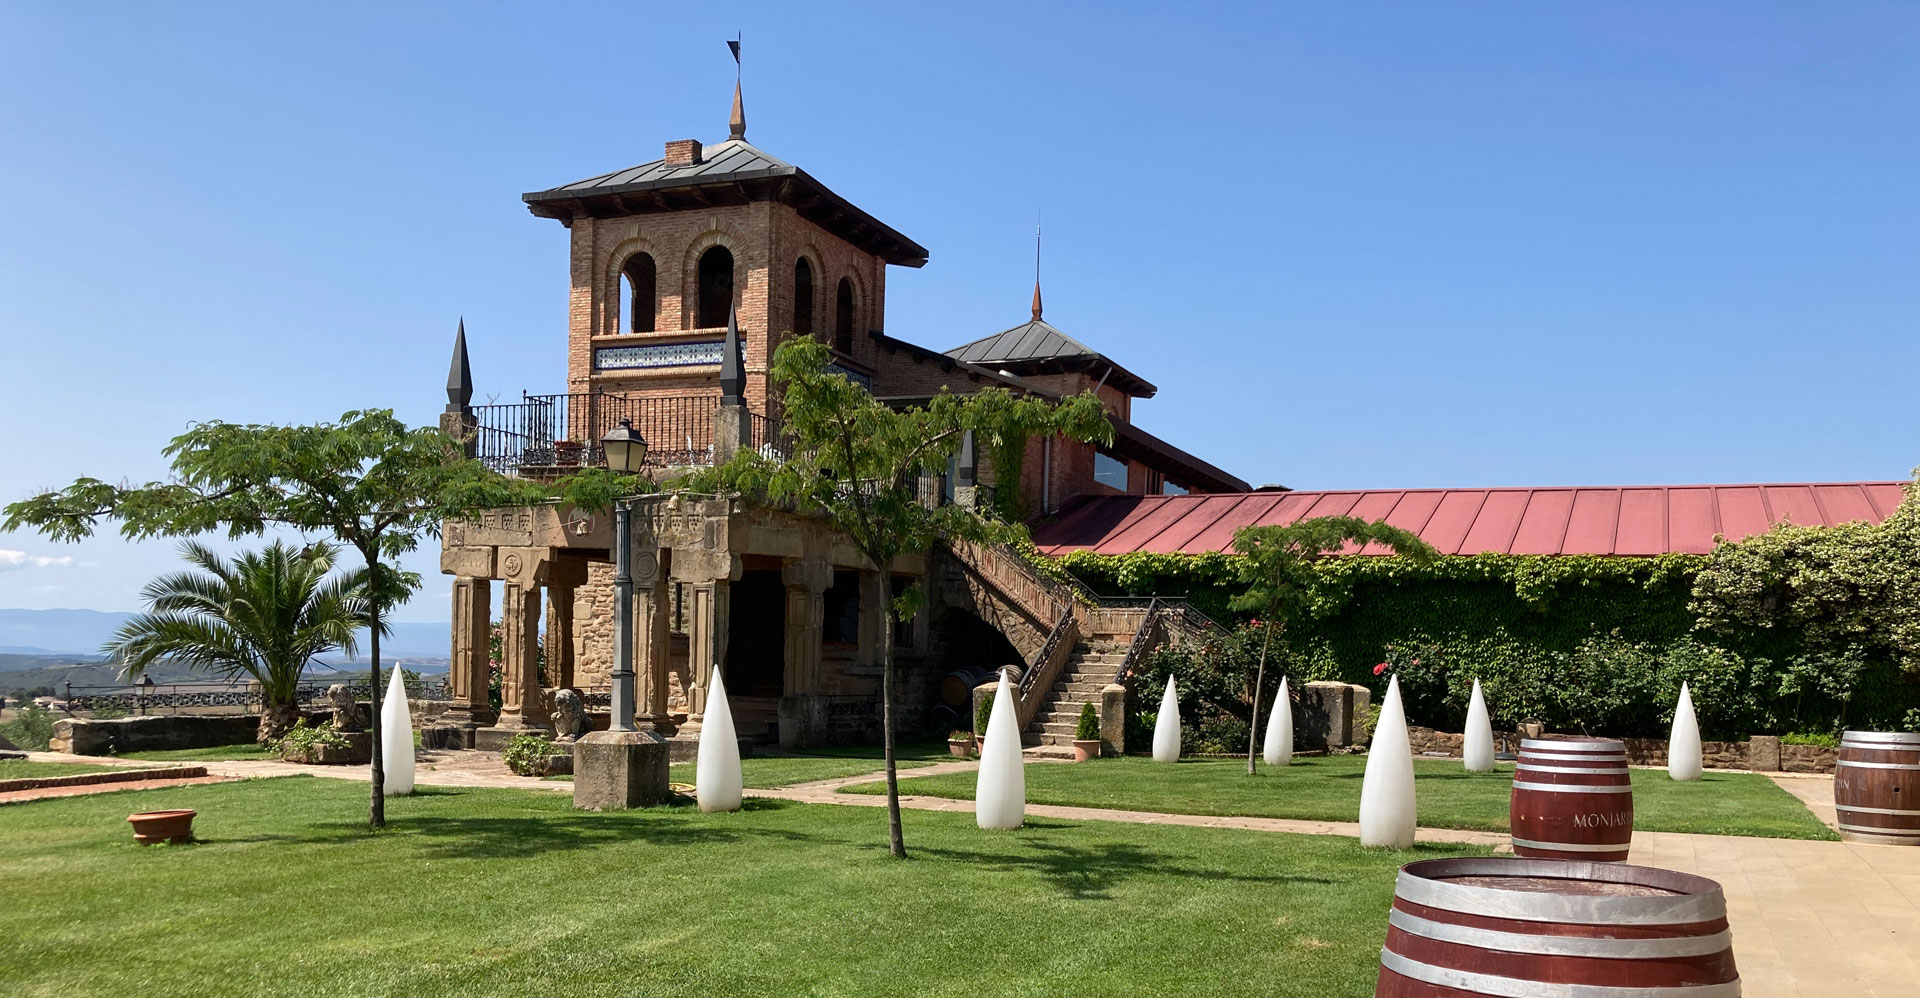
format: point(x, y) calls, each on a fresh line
point(1037, 344)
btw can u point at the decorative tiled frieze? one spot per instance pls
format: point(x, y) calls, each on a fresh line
point(626, 358)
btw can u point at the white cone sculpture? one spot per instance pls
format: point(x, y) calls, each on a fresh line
point(716, 771)
point(1477, 744)
point(396, 739)
point(1683, 746)
point(1278, 750)
point(1000, 796)
point(1166, 728)
point(1386, 793)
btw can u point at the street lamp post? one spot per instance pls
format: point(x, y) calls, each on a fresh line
point(626, 451)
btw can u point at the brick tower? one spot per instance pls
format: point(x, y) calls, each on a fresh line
point(662, 251)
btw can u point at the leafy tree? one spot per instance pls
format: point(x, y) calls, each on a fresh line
point(265, 615)
point(371, 482)
point(1278, 572)
point(859, 461)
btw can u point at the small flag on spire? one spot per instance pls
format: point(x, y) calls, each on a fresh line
point(734, 44)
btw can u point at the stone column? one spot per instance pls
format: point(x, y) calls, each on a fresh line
point(801, 715)
point(467, 672)
point(652, 643)
point(559, 643)
point(707, 605)
point(520, 694)
point(472, 652)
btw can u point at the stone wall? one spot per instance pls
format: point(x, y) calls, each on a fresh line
point(1653, 751)
point(94, 736)
point(170, 731)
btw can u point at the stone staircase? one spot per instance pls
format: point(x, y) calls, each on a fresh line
point(1088, 670)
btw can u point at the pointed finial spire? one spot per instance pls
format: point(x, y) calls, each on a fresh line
point(737, 124)
point(459, 375)
point(1036, 271)
point(733, 366)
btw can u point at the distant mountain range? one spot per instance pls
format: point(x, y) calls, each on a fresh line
point(78, 634)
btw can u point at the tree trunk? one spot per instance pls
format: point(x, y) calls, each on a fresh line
point(1259, 677)
point(275, 719)
point(896, 839)
point(377, 808)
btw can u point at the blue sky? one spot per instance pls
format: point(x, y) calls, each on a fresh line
point(1354, 244)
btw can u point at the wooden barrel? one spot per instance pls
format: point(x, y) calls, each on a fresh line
point(1521, 927)
point(956, 687)
point(1572, 799)
point(1876, 787)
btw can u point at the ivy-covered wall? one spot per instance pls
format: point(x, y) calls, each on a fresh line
point(1585, 643)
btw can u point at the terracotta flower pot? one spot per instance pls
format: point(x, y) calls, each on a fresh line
point(153, 827)
point(960, 747)
point(1084, 749)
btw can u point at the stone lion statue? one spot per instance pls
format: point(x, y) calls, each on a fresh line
point(347, 715)
point(569, 716)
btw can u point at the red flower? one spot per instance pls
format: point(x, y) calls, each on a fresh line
point(1378, 669)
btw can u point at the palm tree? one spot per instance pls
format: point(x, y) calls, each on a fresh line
point(264, 614)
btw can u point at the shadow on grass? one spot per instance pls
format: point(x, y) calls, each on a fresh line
point(1090, 873)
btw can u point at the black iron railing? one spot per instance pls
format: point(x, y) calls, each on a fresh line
point(563, 431)
point(173, 696)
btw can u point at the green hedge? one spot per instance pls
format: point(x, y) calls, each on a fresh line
point(1582, 642)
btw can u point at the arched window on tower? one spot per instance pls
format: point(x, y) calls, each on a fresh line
point(636, 294)
point(716, 287)
point(802, 297)
point(843, 317)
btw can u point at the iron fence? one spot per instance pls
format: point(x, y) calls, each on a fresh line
point(564, 431)
point(174, 696)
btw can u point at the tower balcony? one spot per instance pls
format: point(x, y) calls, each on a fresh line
point(549, 436)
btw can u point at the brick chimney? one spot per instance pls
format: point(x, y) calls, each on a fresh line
point(683, 152)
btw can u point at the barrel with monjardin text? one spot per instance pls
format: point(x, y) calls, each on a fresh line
point(1572, 799)
point(1524, 927)
point(1876, 787)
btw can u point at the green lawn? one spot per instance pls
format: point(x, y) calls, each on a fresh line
point(764, 772)
point(507, 892)
point(218, 753)
point(1328, 788)
point(21, 769)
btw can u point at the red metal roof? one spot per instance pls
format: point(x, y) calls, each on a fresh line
point(1628, 520)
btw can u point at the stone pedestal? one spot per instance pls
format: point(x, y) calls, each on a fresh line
point(803, 719)
point(1325, 719)
point(447, 736)
point(1763, 753)
point(1113, 720)
point(617, 770)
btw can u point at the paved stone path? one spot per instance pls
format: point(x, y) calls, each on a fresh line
point(1810, 919)
point(42, 793)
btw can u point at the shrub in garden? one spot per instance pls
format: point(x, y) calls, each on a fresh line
point(527, 753)
point(1088, 727)
point(982, 712)
point(301, 739)
point(31, 728)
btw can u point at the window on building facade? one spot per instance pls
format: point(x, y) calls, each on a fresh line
point(842, 616)
point(636, 298)
point(1109, 470)
point(1170, 489)
point(802, 298)
point(716, 288)
point(843, 317)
